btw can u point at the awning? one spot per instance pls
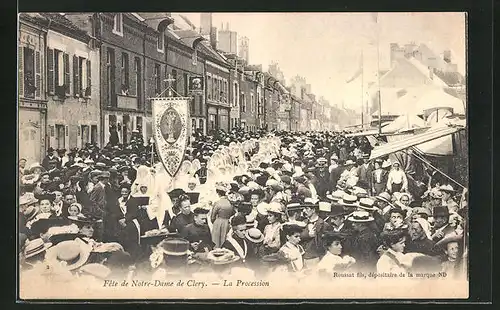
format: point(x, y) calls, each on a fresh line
point(363, 133)
point(429, 135)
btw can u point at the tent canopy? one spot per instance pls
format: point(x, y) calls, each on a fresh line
point(427, 136)
point(404, 122)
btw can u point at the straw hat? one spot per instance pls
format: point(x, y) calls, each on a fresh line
point(336, 195)
point(453, 237)
point(360, 217)
point(74, 253)
point(27, 199)
point(275, 207)
point(349, 201)
point(35, 247)
point(385, 197)
point(447, 188)
point(254, 235)
point(367, 204)
point(262, 208)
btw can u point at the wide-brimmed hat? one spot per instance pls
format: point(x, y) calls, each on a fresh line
point(453, 237)
point(385, 197)
point(27, 199)
point(336, 195)
point(175, 193)
point(254, 235)
point(275, 207)
point(349, 201)
point(447, 188)
point(36, 166)
point(360, 217)
point(422, 210)
point(174, 246)
point(74, 252)
point(386, 164)
point(359, 192)
point(94, 173)
point(35, 247)
point(104, 174)
point(440, 211)
point(349, 162)
point(262, 208)
point(337, 209)
point(222, 256)
point(31, 212)
point(435, 193)
point(367, 204)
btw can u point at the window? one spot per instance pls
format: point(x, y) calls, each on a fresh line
point(191, 104)
point(81, 79)
point(157, 78)
point(212, 121)
point(93, 134)
point(118, 24)
point(200, 125)
point(243, 103)
point(209, 87)
point(159, 42)
point(125, 74)
point(252, 103)
point(110, 77)
point(186, 84)
point(138, 81)
point(29, 72)
point(85, 134)
point(235, 97)
point(60, 137)
point(138, 124)
point(193, 125)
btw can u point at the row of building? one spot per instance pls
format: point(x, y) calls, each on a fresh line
point(82, 73)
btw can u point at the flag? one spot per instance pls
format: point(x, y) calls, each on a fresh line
point(171, 125)
point(375, 17)
point(358, 71)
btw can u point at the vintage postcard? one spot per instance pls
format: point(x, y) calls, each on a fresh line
point(242, 155)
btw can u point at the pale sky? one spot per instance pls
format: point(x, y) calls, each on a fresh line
point(325, 47)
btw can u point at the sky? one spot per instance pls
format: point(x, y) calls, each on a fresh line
point(325, 48)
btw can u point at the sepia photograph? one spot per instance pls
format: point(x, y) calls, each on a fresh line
point(210, 155)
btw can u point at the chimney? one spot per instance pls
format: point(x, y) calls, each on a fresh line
point(213, 38)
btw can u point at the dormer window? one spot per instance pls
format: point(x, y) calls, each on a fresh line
point(118, 24)
point(160, 42)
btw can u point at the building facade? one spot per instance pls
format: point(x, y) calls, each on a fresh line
point(73, 111)
point(32, 99)
point(248, 101)
point(217, 91)
point(183, 62)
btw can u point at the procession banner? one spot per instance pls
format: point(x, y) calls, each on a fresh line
point(171, 130)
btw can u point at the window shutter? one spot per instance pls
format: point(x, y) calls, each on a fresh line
point(21, 71)
point(38, 75)
point(50, 71)
point(89, 80)
point(133, 80)
point(67, 81)
point(76, 78)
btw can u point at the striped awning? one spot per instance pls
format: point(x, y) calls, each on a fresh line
point(429, 135)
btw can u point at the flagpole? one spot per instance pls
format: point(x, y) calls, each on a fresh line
point(362, 94)
point(378, 78)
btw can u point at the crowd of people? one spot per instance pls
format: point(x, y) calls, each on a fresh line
point(303, 204)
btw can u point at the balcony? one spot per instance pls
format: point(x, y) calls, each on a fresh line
point(126, 102)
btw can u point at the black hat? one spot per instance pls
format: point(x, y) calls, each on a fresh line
point(238, 220)
point(440, 211)
point(337, 209)
point(175, 193)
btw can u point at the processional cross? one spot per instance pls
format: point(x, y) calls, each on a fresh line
point(169, 80)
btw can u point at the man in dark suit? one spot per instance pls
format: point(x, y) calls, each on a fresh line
point(336, 173)
point(378, 178)
point(365, 173)
point(98, 201)
point(50, 161)
point(236, 242)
